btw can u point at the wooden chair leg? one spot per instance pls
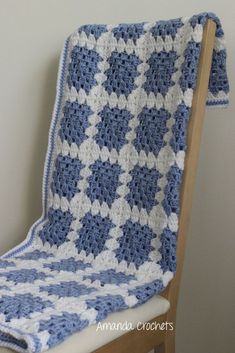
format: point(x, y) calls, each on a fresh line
point(168, 346)
point(160, 349)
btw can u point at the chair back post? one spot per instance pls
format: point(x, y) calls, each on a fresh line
point(191, 159)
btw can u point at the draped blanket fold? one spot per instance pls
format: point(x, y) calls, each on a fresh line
point(107, 238)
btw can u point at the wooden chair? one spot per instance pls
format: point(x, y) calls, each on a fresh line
point(143, 341)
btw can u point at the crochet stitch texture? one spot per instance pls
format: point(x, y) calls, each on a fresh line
point(107, 237)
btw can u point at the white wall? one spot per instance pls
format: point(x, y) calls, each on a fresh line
point(31, 36)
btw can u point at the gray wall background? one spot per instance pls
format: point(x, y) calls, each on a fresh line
point(31, 36)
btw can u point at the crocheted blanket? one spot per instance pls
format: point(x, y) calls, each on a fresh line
point(107, 237)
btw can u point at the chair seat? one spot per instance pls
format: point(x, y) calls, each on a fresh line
point(94, 337)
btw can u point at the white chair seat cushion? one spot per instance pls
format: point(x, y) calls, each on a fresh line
point(93, 337)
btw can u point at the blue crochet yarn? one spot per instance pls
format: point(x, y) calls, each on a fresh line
point(110, 276)
point(96, 31)
point(22, 305)
point(6, 338)
point(56, 229)
point(103, 182)
point(34, 255)
point(135, 244)
point(61, 326)
point(82, 69)
point(106, 305)
point(67, 289)
point(146, 291)
point(69, 265)
point(151, 130)
point(159, 74)
point(172, 191)
point(74, 122)
point(24, 275)
point(4, 287)
point(66, 176)
point(189, 66)
point(107, 239)
point(166, 28)
point(129, 31)
point(178, 140)
point(93, 234)
point(113, 128)
point(122, 73)
point(5, 264)
point(218, 69)
point(143, 188)
point(168, 250)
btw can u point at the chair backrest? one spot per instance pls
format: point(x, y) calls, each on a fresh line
point(191, 159)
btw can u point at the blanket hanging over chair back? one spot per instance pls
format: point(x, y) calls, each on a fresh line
point(107, 237)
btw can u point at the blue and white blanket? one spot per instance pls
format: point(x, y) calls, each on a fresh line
point(107, 237)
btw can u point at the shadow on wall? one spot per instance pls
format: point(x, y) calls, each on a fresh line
point(33, 204)
point(44, 116)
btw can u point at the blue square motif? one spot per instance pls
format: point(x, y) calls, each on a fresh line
point(82, 68)
point(106, 304)
point(103, 182)
point(128, 31)
point(110, 277)
point(143, 188)
point(179, 129)
point(159, 74)
point(135, 244)
point(122, 73)
point(22, 305)
point(147, 290)
point(24, 275)
point(74, 122)
point(188, 77)
point(113, 127)
point(67, 289)
point(69, 265)
point(93, 234)
point(166, 28)
point(66, 176)
point(220, 70)
point(57, 227)
point(96, 31)
point(168, 250)
point(35, 255)
point(60, 326)
point(171, 202)
point(151, 130)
